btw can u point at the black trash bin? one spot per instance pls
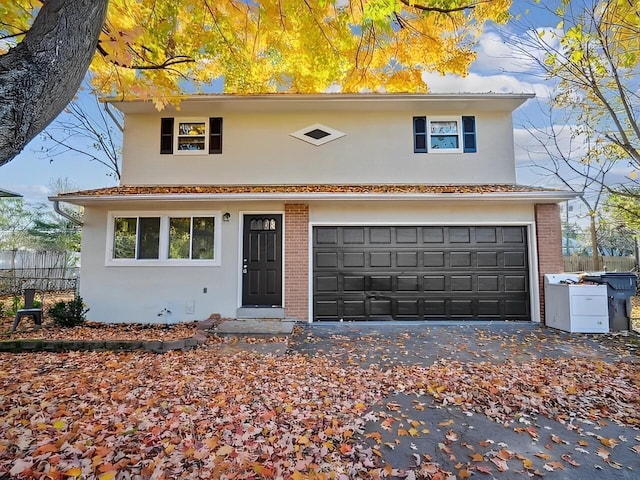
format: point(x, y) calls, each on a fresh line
point(621, 286)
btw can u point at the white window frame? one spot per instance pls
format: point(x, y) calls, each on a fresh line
point(435, 119)
point(163, 254)
point(176, 135)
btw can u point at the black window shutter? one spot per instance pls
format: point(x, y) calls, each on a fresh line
point(420, 134)
point(166, 135)
point(215, 135)
point(469, 133)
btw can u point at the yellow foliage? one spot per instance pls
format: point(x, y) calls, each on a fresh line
point(157, 49)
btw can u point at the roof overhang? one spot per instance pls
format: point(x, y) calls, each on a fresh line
point(9, 194)
point(110, 196)
point(327, 101)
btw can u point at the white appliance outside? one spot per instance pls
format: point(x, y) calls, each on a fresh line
point(575, 307)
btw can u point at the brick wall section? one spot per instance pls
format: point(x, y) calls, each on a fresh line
point(549, 243)
point(296, 274)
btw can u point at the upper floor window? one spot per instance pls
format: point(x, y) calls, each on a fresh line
point(444, 134)
point(191, 136)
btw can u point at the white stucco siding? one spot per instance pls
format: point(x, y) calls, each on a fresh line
point(421, 213)
point(377, 148)
point(140, 293)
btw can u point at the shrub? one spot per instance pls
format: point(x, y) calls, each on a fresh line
point(69, 314)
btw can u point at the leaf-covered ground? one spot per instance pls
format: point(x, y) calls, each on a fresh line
point(367, 406)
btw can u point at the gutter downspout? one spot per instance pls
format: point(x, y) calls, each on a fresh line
point(62, 213)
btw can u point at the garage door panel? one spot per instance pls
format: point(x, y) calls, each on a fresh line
point(327, 259)
point(461, 283)
point(353, 236)
point(353, 259)
point(381, 283)
point(459, 235)
point(462, 308)
point(515, 283)
point(433, 235)
point(515, 259)
point(380, 235)
point(435, 309)
point(460, 259)
point(354, 283)
point(407, 235)
point(486, 235)
point(381, 308)
point(354, 309)
point(408, 283)
point(424, 272)
point(434, 283)
point(489, 308)
point(513, 235)
point(407, 259)
point(488, 283)
point(326, 235)
point(326, 283)
point(433, 259)
point(326, 309)
point(380, 259)
point(408, 308)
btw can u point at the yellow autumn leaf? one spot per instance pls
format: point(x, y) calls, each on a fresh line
point(73, 472)
point(60, 424)
point(110, 475)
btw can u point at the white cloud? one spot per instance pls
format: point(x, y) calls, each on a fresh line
point(477, 83)
point(32, 193)
point(495, 54)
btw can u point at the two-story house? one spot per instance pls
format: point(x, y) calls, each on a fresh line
point(319, 207)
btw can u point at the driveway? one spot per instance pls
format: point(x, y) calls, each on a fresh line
point(497, 400)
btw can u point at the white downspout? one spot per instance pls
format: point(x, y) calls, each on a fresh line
point(62, 213)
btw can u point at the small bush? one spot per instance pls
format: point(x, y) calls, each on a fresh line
point(69, 314)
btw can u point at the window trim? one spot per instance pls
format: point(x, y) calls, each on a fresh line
point(170, 133)
point(177, 135)
point(462, 134)
point(163, 255)
point(438, 118)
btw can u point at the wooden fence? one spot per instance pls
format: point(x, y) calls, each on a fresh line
point(610, 264)
point(44, 271)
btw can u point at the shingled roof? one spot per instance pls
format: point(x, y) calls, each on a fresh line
point(135, 190)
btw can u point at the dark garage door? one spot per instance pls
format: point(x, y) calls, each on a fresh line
point(420, 273)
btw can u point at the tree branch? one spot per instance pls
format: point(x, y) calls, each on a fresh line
point(41, 75)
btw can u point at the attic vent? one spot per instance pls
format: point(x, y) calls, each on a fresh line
point(317, 134)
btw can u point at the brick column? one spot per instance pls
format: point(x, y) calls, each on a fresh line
point(296, 273)
point(549, 243)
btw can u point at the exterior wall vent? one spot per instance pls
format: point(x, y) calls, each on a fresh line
point(317, 134)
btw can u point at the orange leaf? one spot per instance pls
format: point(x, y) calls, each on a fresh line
point(345, 448)
point(477, 457)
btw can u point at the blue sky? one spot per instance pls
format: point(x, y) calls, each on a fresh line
point(497, 70)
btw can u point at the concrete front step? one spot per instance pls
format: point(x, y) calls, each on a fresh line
point(255, 326)
point(260, 312)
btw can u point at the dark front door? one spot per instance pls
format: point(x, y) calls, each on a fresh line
point(262, 261)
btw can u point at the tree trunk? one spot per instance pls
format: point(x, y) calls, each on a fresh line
point(41, 74)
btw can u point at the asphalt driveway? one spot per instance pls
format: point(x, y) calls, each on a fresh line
point(427, 429)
